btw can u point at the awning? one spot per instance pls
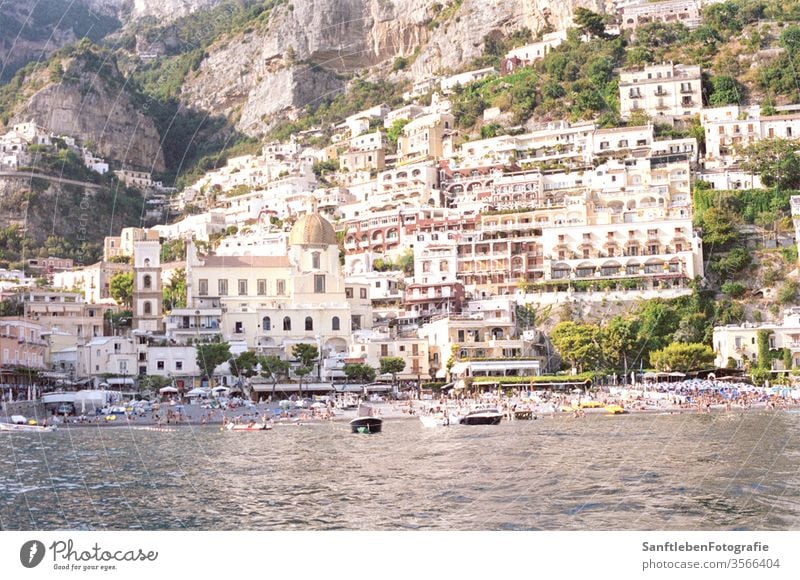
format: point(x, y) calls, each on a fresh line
point(120, 381)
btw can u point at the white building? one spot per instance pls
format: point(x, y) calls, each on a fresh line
point(661, 90)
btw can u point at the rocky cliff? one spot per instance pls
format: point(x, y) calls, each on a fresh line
point(31, 30)
point(264, 71)
point(85, 96)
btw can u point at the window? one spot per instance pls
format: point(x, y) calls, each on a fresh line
point(355, 321)
point(203, 287)
point(222, 286)
point(362, 292)
point(309, 323)
point(178, 365)
point(160, 365)
point(148, 309)
point(348, 293)
point(266, 324)
point(319, 283)
point(443, 266)
point(384, 350)
point(335, 323)
point(414, 349)
point(287, 323)
point(315, 260)
point(261, 287)
point(242, 287)
point(147, 281)
point(281, 287)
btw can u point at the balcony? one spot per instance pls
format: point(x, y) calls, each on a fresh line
point(686, 90)
point(660, 92)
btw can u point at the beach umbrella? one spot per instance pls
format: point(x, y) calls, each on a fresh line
point(168, 390)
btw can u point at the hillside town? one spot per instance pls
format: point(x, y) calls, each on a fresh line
point(400, 246)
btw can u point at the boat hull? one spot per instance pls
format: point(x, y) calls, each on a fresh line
point(482, 419)
point(243, 427)
point(434, 421)
point(366, 425)
point(27, 428)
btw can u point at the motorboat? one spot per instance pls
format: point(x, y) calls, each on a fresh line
point(366, 422)
point(614, 409)
point(435, 420)
point(482, 416)
point(20, 424)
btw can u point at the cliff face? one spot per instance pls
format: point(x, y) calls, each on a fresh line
point(90, 102)
point(31, 30)
point(263, 72)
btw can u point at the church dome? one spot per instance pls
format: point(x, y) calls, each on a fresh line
point(313, 229)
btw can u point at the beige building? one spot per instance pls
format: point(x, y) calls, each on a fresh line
point(62, 312)
point(627, 223)
point(93, 281)
point(371, 348)
point(423, 138)
point(22, 343)
point(661, 90)
point(270, 303)
point(483, 340)
point(122, 245)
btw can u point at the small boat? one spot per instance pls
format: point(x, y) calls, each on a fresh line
point(614, 409)
point(435, 420)
point(485, 416)
point(27, 427)
point(366, 422)
point(523, 415)
point(248, 426)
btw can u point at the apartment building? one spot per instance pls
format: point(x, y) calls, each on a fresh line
point(67, 313)
point(661, 90)
point(423, 138)
point(731, 127)
point(22, 343)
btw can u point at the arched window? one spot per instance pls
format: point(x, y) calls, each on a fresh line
point(335, 323)
point(266, 324)
point(147, 281)
point(148, 309)
point(315, 260)
point(309, 323)
point(287, 323)
point(147, 262)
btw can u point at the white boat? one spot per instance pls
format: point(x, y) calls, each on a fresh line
point(366, 422)
point(252, 426)
point(26, 426)
point(438, 419)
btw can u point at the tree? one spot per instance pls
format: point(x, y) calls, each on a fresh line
point(121, 288)
point(392, 365)
point(174, 292)
point(682, 357)
point(790, 39)
point(244, 364)
point(307, 354)
point(210, 355)
point(590, 22)
point(620, 341)
point(726, 90)
point(301, 372)
point(359, 372)
point(579, 344)
point(395, 131)
point(775, 160)
point(273, 367)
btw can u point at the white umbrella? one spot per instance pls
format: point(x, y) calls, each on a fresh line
point(168, 390)
point(219, 389)
point(197, 393)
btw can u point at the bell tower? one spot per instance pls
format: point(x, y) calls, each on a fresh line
point(147, 294)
